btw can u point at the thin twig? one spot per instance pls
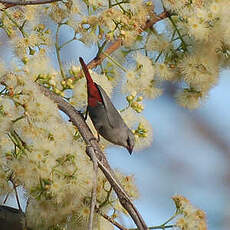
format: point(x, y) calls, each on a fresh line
point(100, 48)
point(58, 50)
point(90, 151)
point(163, 227)
point(16, 194)
point(119, 3)
point(15, 23)
point(6, 198)
point(171, 218)
point(67, 42)
point(111, 220)
point(184, 45)
point(154, 20)
point(116, 44)
point(23, 3)
point(115, 62)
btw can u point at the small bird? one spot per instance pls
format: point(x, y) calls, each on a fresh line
point(106, 119)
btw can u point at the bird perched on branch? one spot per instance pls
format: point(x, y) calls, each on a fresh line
point(106, 119)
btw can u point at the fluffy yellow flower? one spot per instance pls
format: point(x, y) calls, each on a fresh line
point(192, 218)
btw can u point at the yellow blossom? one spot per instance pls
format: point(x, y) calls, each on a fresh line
point(192, 218)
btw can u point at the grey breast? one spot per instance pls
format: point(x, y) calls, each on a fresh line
point(106, 119)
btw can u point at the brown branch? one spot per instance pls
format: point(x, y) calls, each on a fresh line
point(98, 60)
point(111, 220)
point(156, 19)
point(16, 195)
point(91, 153)
point(6, 198)
point(77, 119)
point(23, 3)
point(118, 43)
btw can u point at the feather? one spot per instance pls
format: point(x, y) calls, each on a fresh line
point(113, 115)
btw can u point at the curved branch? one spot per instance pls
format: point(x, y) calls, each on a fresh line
point(77, 119)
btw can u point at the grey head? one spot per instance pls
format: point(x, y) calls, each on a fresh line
point(130, 141)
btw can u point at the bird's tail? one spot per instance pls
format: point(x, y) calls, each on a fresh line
point(93, 93)
point(86, 72)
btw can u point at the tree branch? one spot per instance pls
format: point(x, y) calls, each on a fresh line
point(23, 3)
point(77, 119)
point(91, 153)
point(111, 220)
point(58, 50)
point(118, 43)
point(10, 3)
point(16, 195)
point(6, 198)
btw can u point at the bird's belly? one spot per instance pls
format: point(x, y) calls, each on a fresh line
point(101, 123)
point(98, 116)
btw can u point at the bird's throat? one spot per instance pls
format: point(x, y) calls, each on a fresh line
point(94, 95)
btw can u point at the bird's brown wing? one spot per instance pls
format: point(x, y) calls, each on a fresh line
point(113, 115)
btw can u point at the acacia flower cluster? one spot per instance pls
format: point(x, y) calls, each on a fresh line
point(190, 218)
point(203, 49)
point(44, 155)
